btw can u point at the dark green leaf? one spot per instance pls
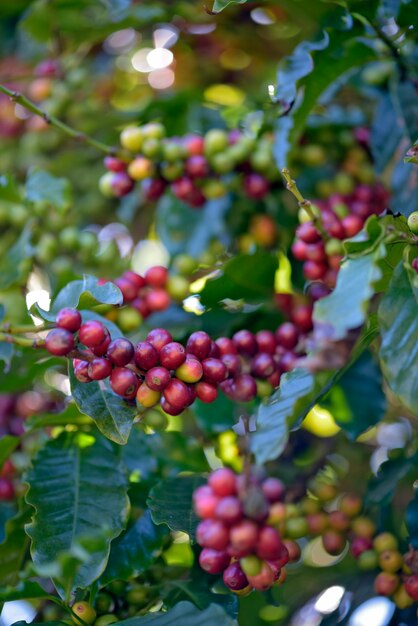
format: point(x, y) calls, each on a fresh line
point(289, 403)
point(113, 415)
point(70, 295)
point(381, 487)
point(186, 614)
point(13, 548)
point(6, 353)
point(24, 590)
point(8, 443)
point(386, 133)
point(68, 476)
point(170, 502)
point(398, 319)
point(138, 456)
point(246, 276)
point(134, 550)
point(220, 5)
point(12, 264)
point(356, 277)
point(217, 416)
point(9, 190)
point(412, 521)
point(50, 191)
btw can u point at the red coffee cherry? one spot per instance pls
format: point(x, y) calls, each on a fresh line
point(206, 392)
point(233, 364)
point(299, 250)
point(191, 370)
point(121, 184)
point(212, 533)
point(269, 545)
point(293, 550)
point(223, 482)
point(157, 378)
point(234, 577)
point(262, 365)
point(172, 355)
point(101, 349)
point(243, 537)
point(333, 542)
point(81, 371)
point(308, 233)
point(229, 510)
point(214, 370)
point(156, 276)
point(99, 368)
point(68, 318)
point(169, 409)
point(386, 584)
point(245, 388)
point(264, 579)
point(312, 270)
point(124, 382)
point(302, 317)
point(7, 491)
point(411, 586)
point(113, 164)
point(159, 337)
point(147, 397)
point(197, 166)
point(245, 342)
point(59, 342)
point(266, 341)
point(274, 489)
point(213, 561)
point(120, 351)
point(157, 300)
point(146, 355)
point(129, 289)
point(177, 394)
point(205, 502)
point(136, 279)
point(199, 344)
point(256, 186)
point(92, 333)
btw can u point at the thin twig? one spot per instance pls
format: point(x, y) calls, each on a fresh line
point(304, 204)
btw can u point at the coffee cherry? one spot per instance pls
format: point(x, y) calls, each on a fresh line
point(264, 579)
point(229, 510)
point(146, 355)
point(352, 224)
point(251, 565)
point(85, 611)
point(129, 289)
point(273, 488)
point(413, 222)
point(245, 342)
point(172, 355)
point(176, 393)
point(234, 577)
point(213, 561)
point(199, 344)
point(384, 542)
point(215, 140)
point(402, 599)
point(190, 371)
point(157, 378)
point(120, 351)
point(156, 276)
point(157, 300)
point(206, 392)
point(232, 363)
point(92, 333)
point(212, 533)
point(113, 164)
point(68, 318)
point(169, 408)
point(243, 538)
point(124, 382)
point(7, 491)
point(411, 583)
point(256, 186)
point(293, 550)
point(351, 505)
point(363, 527)
point(360, 545)
point(132, 138)
point(269, 545)
point(147, 396)
point(159, 337)
point(333, 542)
point(313, 270)
point(121, 184)
point(367, 560)
point(245, 388)
point(296, 527)
point(302, 317)
point(136, 279)
point(338, 520)
point(81, 371)
point(102, 348)
point(308, 233)
point(214, 370)
point(205, 502)
point(223, 482)
point(59, 342)
point(99, 368)
point(390, 561)
point(262, 365)
point(385, 584)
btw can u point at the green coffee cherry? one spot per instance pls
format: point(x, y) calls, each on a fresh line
point(413, 222)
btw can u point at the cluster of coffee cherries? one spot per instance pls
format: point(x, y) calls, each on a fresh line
point(160, 370)
point(196, 168)
point(237, 539)
point(342, 217)
point(15, 408)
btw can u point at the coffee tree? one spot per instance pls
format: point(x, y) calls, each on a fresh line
point(208, 318)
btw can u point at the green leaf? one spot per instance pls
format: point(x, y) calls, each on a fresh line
point(186, 614)
point(6, 353)
point(358, 401)
point(398, 319)
point(170, 502)
point(246, 276)
point(412, 521)
point(381, 487)
point(9, 190)
point(50, 191)
point(138, 455)
point(113, 415)
point(78, 489)
point(134, 550)
point(217, 416)
point(357, 278)
point(289, 403)
point(8, 443)
point(220, 5)
point(70, 295)
point(24, 590)
point(13, 548)
point(13, 264)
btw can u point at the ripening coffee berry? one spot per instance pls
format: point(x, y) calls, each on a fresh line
point(264, 579)
point(333, 542)
point(191, 370)
point(308, 233)
point(124, 382)
point(338, 520)
point(176, 393)
point(269, 545)
point(223, 482)
point(245, 388)
point(243, 538)
point(402, 599)
point(251, 565)
point(214, 370)
point(232, 363)
point(68, 318)
point(212, 533)
point(7, 491)
point(360, 545)
point(368, 560)
point(266, 341)
point(385, 541)
point(213, 561)
point(226, 346)
point(390, 561)
point(169, 408)
point(287, 335)
point(413, 222)
point(101, 349)
point(411, 586)
point(293, 550)
point(147, 396)
point(157, 300)
point(81, 371)
point(205, 502)
point(274, 489)
point(85, 611)
point(129, 289)
point(146, 355)
point(351, 505)
point(59, 342)
point(385, 584)
point(99, 368)
point(156, 276)
point(159, 337)
point(245, 342)
point(229, 510)
point(92, 333)
point(157, 378)
point(206, 392)
point(234, 577)
point(363, 527)
point(120, 351)
point(199, 343)
point(262, 365)
point(136, 279)
point(172, 355)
